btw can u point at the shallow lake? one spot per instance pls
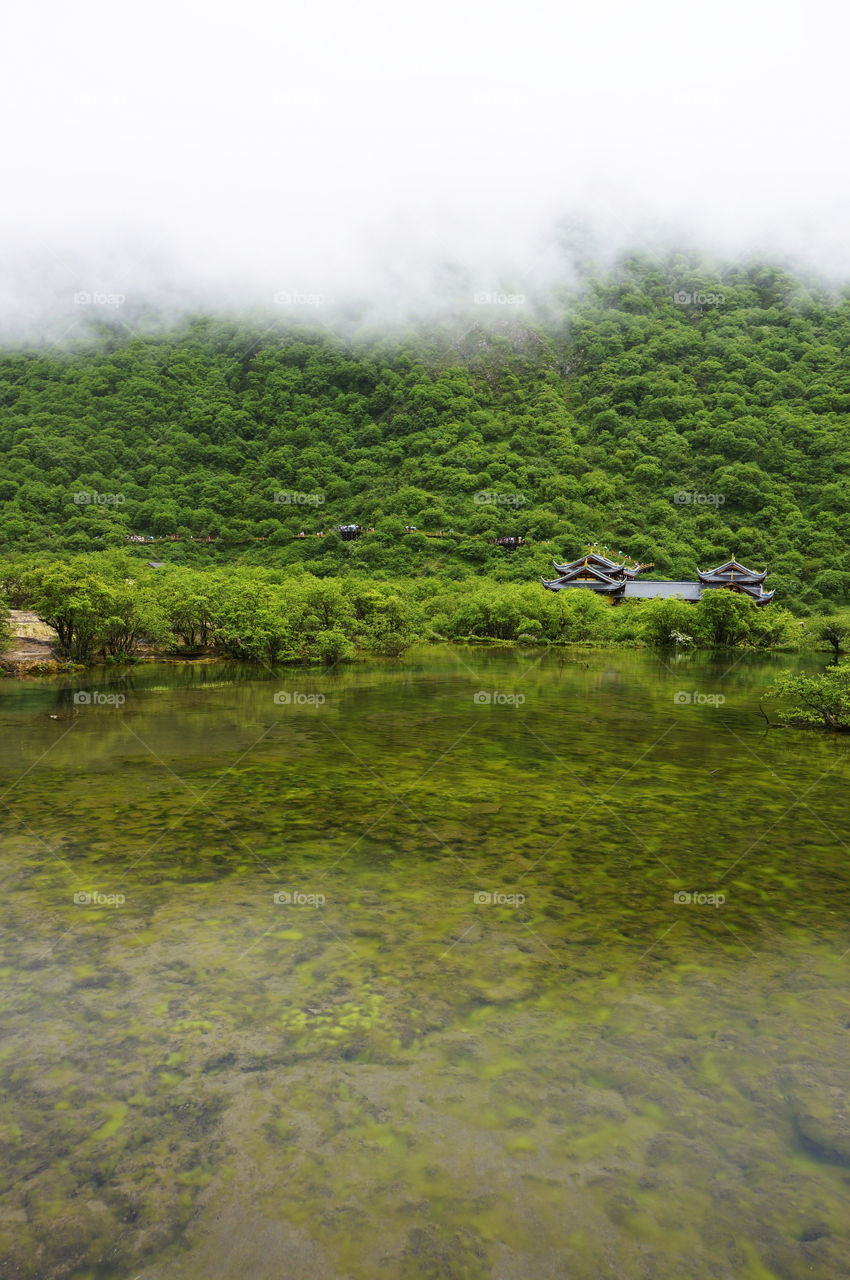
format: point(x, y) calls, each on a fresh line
point(483, 963)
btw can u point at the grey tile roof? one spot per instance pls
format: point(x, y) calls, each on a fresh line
point(647, 590)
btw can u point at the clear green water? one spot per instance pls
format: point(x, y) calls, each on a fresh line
point(403, 1082)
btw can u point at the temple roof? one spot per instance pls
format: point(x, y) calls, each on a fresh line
point(600, 574)
point(725, 573)
point(648, 590)
point(610, 567)
point(584, 574)
point(585, 570)
point(592, 557)
point(752, 589)
point(605, 585)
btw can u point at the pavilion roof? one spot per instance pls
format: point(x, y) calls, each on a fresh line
point(602, 562)
point(725, 571)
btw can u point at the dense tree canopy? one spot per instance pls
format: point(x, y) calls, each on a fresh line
point(639, 416)
point(109, 605)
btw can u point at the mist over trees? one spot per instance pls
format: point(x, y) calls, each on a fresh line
point(678, 412)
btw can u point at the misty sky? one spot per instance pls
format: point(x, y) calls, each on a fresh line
point(249, 148)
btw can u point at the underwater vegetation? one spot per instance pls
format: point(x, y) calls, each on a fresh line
point(412, 985)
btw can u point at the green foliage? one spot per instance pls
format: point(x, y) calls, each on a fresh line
point(99, 609)
point(822, 700)
point(91, 611)
point(187, 600)
point(496, 612)
point(833, 632)
point(110, 605)
point(248, 621)
point(334, 646)
point(583, 616)
point(584, 427)
point(662, 621)
point(723, 618)
point(772, 627)
point(384, 621)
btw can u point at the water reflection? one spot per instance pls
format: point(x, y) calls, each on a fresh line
point(475, 1035)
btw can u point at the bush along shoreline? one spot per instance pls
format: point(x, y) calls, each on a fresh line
point(820, 701)
point(109, 607)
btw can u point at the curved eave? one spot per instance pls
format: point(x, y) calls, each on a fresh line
point(587, 576)
point(740, 571)
point(603, 588)
point(579, 564)
point(726, 580)
point(754, 591)
point(597, 561)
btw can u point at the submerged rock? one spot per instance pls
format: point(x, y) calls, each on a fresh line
point(819, 1111)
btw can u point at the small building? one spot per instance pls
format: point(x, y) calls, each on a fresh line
point(619, 582)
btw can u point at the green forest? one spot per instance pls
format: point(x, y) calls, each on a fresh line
point(280, 615)
point(674, 411)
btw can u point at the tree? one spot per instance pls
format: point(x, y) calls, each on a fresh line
point(187, 600)
point(333, 646)
point(722, 618)
point(583, 616)
point(833, 632)
point(662, 621)
point(73, 600)
point(384, 623)
point(133, 615)
point(822, 700)
point(247, 622)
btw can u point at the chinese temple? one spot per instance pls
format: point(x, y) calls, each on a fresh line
point(616, 580)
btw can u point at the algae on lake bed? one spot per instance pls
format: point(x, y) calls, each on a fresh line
point(475, 1035)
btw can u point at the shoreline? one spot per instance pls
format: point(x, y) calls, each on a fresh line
point(38, 663)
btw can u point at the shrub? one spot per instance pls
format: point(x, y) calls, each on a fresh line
point(822, 700)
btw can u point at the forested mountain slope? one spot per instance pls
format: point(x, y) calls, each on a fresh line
point(676, 412)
